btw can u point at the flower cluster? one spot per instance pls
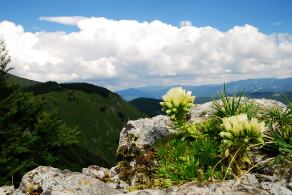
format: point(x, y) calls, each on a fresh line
point(176, 103)
point(239, 127)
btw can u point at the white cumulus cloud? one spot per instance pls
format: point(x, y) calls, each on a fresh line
point(128, 53)
point(67, 20)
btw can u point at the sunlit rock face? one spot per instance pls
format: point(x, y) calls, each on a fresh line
point(141, 134)
point(49, 180)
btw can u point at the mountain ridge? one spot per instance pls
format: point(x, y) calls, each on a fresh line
point(248, 85)
point(98, 112)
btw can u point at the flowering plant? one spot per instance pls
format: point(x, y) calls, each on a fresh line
point(177, 103)
point(237, 135)
point(239, 128)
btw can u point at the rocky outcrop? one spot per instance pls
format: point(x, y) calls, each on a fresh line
point(48, 180)
point(138, 135)
point(135, 154)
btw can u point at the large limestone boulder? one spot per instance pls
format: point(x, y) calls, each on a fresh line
point(49, 180)
point(138, 135)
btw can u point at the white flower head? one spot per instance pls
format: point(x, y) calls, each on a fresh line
point(177, 102)
point(178, 96)
point(240, 125)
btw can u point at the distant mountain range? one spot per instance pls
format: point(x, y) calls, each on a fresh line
point(266, 85)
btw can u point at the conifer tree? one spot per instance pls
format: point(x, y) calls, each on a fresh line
point(4, 69)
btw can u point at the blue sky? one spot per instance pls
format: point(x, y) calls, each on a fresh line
point(268, 15)
point(132, 43)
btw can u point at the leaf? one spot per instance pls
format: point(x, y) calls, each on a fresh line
point(246, 159)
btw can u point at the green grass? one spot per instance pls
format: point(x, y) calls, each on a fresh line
point(149, 106)
point(21, 81)
point(187, 159)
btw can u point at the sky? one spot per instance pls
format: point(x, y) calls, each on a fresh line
point(130, 43)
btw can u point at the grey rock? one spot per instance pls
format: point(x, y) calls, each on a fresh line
point(18, 192)
point(268, 103)
point(276, 188)
point(114, 171)
point(147, 192)
point(248, 184)
point(6, 189)
point(48, 180)
point(139, 134)
point(96, 172)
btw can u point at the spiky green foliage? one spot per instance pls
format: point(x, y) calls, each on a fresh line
point(177, 103)
point(281, 138)
point(280, 129)
point(281, 117)
point(227, 106)
point(251, 109)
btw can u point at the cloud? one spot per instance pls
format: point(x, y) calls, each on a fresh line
point(67, 20)
point(128, 53)
point(185, 23)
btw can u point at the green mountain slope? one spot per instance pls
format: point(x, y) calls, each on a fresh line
point(21, 81)
point(99, 113)
point(149, 106)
